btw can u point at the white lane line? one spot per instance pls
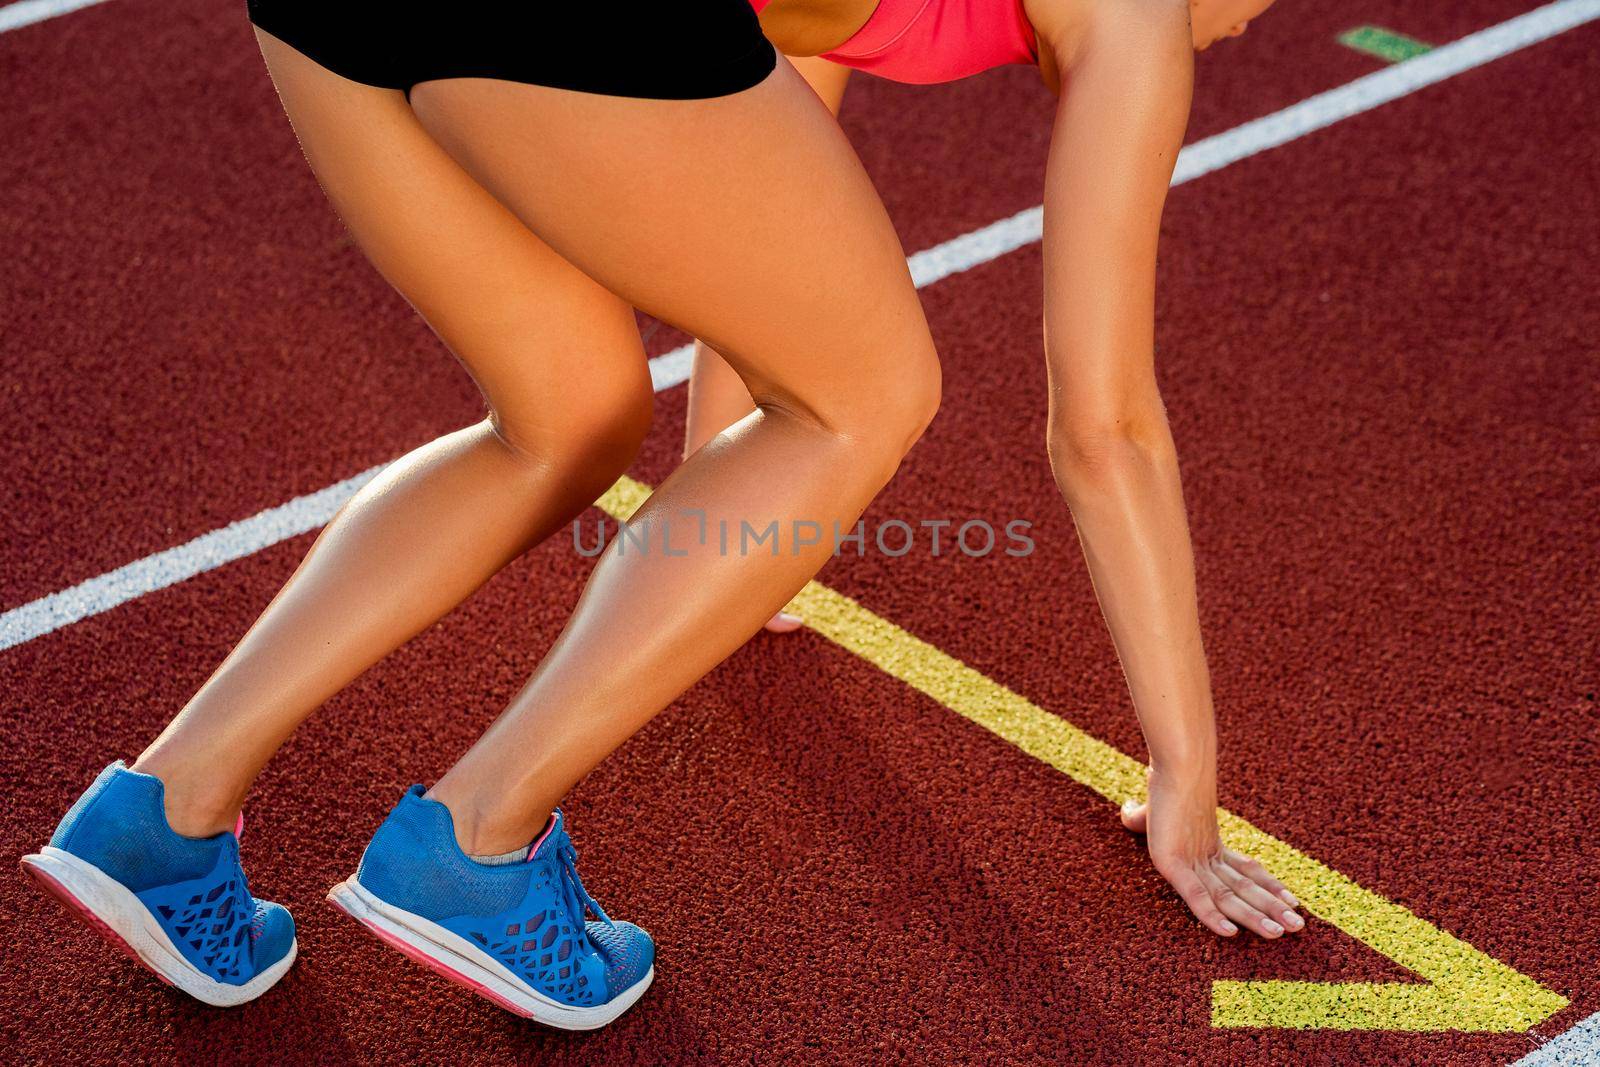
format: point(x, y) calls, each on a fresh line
point(27, 12)
point(962, 253)
point(1578, 1047)
point(204, 553)
point(1383, 86)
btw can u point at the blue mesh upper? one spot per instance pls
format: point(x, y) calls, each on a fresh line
point(120, 826)
point(528, 916)
point(194, 886)
point(272, 930)
point(414, 863)
point(210, 921)
point(627, 950)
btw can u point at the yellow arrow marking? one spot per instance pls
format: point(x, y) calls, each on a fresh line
point(1463, 989)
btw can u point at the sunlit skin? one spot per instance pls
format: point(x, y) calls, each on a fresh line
point(525, 224)
point(1115, 140)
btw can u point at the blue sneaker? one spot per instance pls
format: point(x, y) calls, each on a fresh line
point(516, 933)
point(179, 905)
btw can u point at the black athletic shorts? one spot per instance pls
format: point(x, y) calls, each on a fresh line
point(660, 49)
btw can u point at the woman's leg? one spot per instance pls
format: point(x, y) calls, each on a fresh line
point(559, 361)
point(779, 251)
point(717, 395)
point(745, 220)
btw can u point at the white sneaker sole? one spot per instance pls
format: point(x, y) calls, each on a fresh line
point(467, 965)
point(110, 909)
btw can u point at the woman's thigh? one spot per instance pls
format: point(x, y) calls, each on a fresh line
point(746, 220)
point(552, 350)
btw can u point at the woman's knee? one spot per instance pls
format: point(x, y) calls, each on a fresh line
point(588, 438)
point(887, 407)
point(908, 401)
point(926, 393)
point(899, 396)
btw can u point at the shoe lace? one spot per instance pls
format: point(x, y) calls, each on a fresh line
point(243, 898)
point(576, 897)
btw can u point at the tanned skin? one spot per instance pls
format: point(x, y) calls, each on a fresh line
point(1113, 146)
point(525, 223)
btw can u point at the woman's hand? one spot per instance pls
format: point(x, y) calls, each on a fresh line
point(1225, 889)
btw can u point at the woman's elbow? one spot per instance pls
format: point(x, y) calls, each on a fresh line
point(1092, 454)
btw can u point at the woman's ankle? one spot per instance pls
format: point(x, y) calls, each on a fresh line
point(195, 806)
point(483, 825)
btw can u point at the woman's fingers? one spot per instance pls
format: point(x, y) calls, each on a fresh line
point(1136, 816)
point(1224, 888)
point(1229, 901)
point(1198, 897)
point(1258, 896)
point(1252, 869)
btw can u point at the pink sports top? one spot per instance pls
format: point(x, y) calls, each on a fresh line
point(925, 42)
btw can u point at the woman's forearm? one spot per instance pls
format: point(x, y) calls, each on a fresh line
point(1123, 488)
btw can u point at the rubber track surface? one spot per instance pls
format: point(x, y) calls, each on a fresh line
point(1377, 350)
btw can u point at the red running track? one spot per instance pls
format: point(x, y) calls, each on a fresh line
point(1377, 353)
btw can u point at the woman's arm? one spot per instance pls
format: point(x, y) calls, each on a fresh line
point(1118, 129)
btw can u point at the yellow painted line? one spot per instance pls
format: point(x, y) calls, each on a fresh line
point(1461, 988)
point(624, 498)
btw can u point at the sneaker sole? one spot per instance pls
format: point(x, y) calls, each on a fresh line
point(111, 910)
point(466, 965)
